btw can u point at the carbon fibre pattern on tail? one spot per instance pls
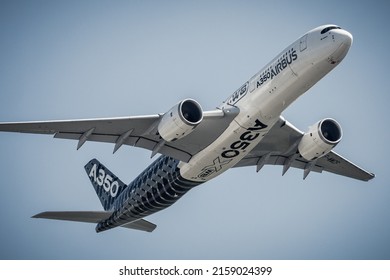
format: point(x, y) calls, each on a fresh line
point(156, 188)
point(107, 186)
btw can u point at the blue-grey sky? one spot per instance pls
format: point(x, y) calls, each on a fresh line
point(84, 59)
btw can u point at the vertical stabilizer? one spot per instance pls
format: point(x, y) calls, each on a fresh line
point(107, 186)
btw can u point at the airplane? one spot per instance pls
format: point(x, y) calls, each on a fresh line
point(247, 129)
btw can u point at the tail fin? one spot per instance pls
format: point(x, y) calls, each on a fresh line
point(107, 186)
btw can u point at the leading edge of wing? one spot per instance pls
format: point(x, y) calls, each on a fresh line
point(93, 217)
point(75, 125)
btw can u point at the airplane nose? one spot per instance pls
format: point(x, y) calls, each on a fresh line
point(344, 41)
point(346, 37)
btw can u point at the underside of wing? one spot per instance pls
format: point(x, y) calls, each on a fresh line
point(93, 217)
point(140, 131)
point(337, 164)
point(280, 147)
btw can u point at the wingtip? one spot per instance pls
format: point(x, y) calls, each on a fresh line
point(371, 176)
point(37, 216)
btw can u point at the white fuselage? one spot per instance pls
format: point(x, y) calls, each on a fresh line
point(263, 98)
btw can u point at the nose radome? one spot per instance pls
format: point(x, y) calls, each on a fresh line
point(346, 38)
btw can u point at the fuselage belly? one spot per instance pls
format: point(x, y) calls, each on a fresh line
point(260, 100)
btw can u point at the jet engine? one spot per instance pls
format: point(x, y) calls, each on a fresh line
point(321, 138)
point(180, 120)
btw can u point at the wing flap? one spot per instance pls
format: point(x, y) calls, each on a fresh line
point(299, 163)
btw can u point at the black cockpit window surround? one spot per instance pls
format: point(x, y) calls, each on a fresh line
point(327, 29)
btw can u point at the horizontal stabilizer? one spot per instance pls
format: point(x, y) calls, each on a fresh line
point(93, 217)
point(75, 216)
point(141, 225)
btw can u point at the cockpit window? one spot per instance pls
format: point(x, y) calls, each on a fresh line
point(325, 30)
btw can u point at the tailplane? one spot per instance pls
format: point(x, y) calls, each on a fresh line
point(93, 217)
point(107, 186)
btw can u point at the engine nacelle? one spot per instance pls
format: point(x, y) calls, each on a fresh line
point(321, 138)
point(180, 120)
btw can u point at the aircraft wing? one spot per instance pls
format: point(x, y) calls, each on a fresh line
point(139, 131)
point(279, 147)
